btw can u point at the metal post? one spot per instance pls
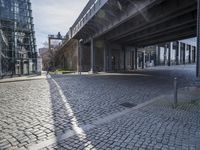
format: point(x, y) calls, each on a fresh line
point(175, 93)
point(198, 41)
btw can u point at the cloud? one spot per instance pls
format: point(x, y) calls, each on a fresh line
point(53, 16)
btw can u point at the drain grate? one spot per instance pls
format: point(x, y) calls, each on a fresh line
point(128, 105)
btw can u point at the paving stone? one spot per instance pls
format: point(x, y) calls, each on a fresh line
point(33, 111)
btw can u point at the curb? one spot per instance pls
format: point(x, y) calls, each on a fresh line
point(22, 80)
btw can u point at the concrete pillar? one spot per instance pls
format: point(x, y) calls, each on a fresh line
point(157, 55)
point(149, 56)
point(135, 55)
point(198, 40)
point(184, 51)
point(105, 54)
point(177, 52)
point(143, 59)
point(165, 54)
point(190, 60)
point(109, 58)
point(78, 56)
point(169, 53)
point(124, 50)
point(92, 62)
point(133, 60)
point(195, 51)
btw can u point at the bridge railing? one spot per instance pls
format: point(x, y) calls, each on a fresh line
point(89, 11)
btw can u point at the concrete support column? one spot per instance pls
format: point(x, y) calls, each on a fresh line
point(190, 59)
point(149, 56)
point(165, 54)
point(109, 58)
point(105, 54)
point(124, 50)
point(157, 55)
point(92, 62)
point(184, 51)
point(143, 59)
point(169, 53)
point(80, 48)
point(195, 52)
point(135, 55)
point(132, 60)
point(198, 40)
point(78, 56)
point(177, 52)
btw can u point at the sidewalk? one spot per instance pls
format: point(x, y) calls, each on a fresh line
point(23, 78)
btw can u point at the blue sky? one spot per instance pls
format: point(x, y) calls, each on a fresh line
point(53, 16)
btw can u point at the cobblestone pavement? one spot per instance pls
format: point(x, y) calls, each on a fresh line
point(41, 111)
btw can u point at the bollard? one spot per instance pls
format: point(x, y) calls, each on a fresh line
point(175, 93)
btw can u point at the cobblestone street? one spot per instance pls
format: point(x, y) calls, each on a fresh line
point(88, 112)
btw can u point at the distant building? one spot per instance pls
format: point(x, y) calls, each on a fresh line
point(44, 55)
point(171, 53)
point(18, 54)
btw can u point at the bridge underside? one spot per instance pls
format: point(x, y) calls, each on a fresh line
point(132, 24)
point(142, 23)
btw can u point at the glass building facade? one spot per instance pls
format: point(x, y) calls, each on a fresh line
point(18, 54)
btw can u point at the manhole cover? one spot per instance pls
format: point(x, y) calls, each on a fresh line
point(128, 105)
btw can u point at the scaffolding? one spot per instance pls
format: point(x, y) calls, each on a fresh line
point(18, 54)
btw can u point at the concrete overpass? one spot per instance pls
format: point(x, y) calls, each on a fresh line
point(131, 23)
